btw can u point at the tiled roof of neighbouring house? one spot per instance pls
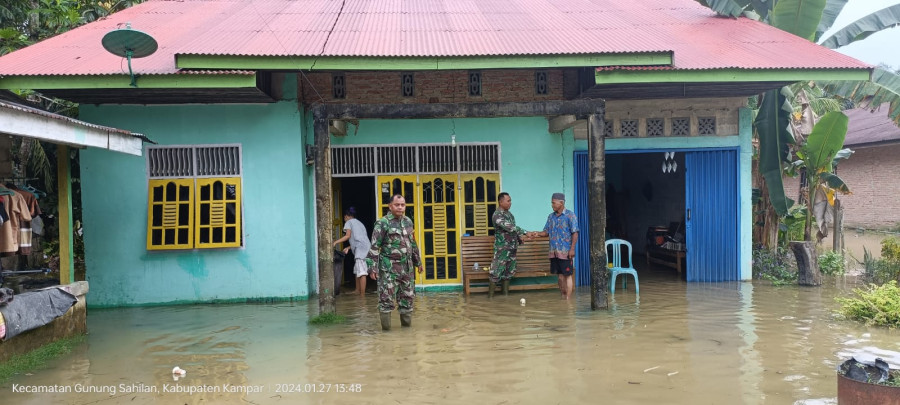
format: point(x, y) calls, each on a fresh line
point(870, 127)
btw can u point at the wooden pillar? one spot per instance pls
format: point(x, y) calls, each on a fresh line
point(837, 234)
point(597, 210)
point(66, 233)
point(324, 211)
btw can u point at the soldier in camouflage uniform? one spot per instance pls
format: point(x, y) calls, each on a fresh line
point(507, 238)
point(394, 254)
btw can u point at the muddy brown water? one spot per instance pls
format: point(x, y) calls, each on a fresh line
point(710, 343)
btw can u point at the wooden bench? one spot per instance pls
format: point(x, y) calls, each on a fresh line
point(666, 257)
point(533, 260)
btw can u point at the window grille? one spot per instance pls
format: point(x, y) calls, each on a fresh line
point(437, 158)
point(407, 85)
point(681, 127)
point(630, 128)
point(540, 82)
point(352, 161)
point(608, 128)
point(706, 125)
point(396, 159)
point(368, 160)
point(654, 127)
point(218, 161)
point(479, 158)
point(170, 162)
point(338, 86)
point(474, 83)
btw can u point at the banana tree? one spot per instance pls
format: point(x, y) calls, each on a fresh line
point(817, 158)
point(810, 19)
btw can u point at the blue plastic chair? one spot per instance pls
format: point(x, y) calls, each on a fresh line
point(617, 267)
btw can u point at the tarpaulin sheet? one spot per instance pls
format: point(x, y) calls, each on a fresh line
point(35, 309)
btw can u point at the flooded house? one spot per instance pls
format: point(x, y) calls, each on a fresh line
point(271, 117)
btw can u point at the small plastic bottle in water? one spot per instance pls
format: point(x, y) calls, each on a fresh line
point(475, 266)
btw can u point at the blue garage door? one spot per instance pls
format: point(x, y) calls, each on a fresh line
point(712, 212)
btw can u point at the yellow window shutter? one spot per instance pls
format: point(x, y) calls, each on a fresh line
point(170, 214)
point(218, 213)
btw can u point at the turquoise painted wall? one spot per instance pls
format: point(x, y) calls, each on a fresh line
point(535, 163)
point(741, 140)
point(273, 262)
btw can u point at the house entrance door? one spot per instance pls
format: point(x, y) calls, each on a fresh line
point(440, 229)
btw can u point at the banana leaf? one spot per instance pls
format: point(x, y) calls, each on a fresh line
point(727, 8)
point(772, 126)
point(883, 88)
point(841, 155)
point(823, 144)
point(834, 182)
point(761, 7)
point(799, 17)
point(832, 9)
point(860, 29)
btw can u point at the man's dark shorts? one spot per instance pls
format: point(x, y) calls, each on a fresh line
point(561, 266)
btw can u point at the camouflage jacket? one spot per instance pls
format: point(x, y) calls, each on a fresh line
point(392, 242)
point(506, 234)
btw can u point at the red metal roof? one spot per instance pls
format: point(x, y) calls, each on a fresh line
point(868, 127)
point(426, 28)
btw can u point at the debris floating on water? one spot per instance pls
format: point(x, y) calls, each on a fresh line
point(672, 373)
point(179, 371)
point(651, 369)
point(522, 301)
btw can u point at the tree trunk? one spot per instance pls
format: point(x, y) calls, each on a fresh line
point(807, 263)
point(324, 214)
point(597, 210)
point(766, 228)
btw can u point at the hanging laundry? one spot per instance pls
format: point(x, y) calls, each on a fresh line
point(18, 229)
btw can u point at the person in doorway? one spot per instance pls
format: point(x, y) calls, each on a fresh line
point(355, 232)
point(394, 254)
point(562, 228)
point(507, 238)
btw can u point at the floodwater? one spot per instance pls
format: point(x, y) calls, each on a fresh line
point(717, 343)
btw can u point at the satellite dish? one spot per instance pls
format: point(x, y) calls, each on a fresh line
point(129, 43)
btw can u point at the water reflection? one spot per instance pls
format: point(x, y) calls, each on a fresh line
point(681, 343)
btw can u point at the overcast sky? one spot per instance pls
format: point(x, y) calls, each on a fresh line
point(883, 47)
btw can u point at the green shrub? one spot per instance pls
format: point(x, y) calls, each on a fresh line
point(776, 266)
point(890, 249)
point(831, 263)
point(880, 271)
point(876, 305)
point(328, 318)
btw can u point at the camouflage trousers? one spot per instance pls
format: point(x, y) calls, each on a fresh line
point(396, 286)
point(503, 267)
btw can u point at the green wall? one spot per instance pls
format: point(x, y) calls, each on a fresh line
point(273, 262)
point(535, 163)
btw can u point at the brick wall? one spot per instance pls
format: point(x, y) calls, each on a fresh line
point(431, 87)
point(872, 175)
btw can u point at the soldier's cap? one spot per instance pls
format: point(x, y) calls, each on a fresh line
point(559, 196)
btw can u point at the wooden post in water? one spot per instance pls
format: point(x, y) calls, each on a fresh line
point(597, 210)
point(838, 234)
point(324, 211)
point(64, 218)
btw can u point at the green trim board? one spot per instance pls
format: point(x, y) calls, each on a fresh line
point(728, 75)
point(173, 81)
point(190, 61)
